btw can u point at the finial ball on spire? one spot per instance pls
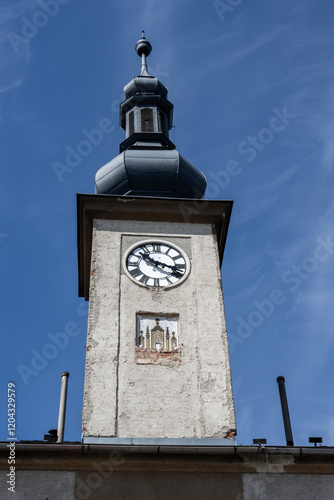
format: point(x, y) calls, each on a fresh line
point(143, 46)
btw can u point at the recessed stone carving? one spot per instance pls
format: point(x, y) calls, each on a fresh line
point(157, 338)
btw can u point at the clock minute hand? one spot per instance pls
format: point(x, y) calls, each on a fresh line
point(173, 268)
point(149, 259)
point(161, 264)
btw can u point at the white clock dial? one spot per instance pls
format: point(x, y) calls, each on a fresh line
point(156, 263)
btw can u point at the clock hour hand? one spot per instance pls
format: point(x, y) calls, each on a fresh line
point(175, 270)
point(177, 273)
point(149, 259)
point(161, 264)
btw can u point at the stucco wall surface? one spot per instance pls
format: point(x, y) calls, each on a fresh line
point(188, 398)
point(288, 486)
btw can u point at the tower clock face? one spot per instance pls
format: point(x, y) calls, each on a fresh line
point(156, 263)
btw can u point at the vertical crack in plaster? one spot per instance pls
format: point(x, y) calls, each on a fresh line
point(119, 336)
point(199, 371)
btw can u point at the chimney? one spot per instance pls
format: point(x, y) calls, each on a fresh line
point(62, 406)
point(285, 411)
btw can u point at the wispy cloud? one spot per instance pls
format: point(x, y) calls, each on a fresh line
point(20, 23)
point(255, 208)
point(235, 56)
point(12, 64)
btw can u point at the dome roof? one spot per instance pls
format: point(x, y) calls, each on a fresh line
point(150, 172)
point(145, 85)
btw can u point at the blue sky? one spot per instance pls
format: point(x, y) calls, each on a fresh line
point(253, 93)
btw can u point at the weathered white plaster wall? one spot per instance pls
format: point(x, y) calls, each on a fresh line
point(189, 398)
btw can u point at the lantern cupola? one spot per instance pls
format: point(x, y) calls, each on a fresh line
point(148, 163)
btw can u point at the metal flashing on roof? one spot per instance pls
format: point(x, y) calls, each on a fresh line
point(159, 441)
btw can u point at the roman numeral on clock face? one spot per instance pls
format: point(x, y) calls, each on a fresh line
point(135, 272)
point(144, 249)
point(178, 274)
point(180, 266)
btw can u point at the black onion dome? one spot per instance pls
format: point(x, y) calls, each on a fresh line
point(148, 172)
point(145, 85)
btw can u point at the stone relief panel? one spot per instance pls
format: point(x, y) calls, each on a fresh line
point(157, 338)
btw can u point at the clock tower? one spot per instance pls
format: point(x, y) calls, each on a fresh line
point(150, 251)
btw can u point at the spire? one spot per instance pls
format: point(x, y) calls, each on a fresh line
point(143, 49)
point(148, 163)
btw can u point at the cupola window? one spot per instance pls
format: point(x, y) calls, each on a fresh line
point(147, 124)
point(146, 120)
point(131, 122)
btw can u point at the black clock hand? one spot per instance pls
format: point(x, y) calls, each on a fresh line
point(161, 264)
point(173, 268)
point(175, 271)
point(149, 259)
